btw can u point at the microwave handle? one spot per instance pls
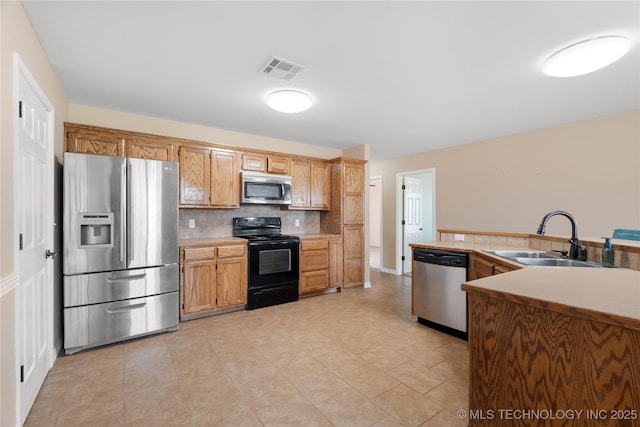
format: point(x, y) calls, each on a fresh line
point(282, 191)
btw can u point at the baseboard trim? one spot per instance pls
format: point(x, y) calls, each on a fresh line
point(390, 271)
point(367, 285)
point(8, 284)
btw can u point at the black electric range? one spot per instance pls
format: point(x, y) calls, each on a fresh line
point(273, 261)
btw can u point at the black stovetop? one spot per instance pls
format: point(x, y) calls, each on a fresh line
point(257, 229)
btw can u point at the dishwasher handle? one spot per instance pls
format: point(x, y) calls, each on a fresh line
point(438, 257)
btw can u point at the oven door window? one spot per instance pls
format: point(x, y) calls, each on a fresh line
point(271, 264)
point(274, 261)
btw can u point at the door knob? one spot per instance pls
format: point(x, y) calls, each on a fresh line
point(48, 254)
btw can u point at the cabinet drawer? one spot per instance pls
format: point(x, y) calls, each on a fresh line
point(208, 252)
point(231, 251)
point(314, 244)
point(314, 260)
point(314, 280)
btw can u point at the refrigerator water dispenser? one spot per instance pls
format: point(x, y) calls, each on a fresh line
point(96, 230)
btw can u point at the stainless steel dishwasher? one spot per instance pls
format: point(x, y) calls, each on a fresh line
point(438, 300)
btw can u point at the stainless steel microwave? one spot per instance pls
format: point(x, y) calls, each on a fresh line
point(266, 189)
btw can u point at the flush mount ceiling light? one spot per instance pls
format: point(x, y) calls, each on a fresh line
point(586, 56)
point(289, 101)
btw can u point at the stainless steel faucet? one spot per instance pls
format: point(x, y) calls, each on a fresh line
point(576, 251)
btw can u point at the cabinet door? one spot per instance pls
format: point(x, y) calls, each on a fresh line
point(254, 162)
point(195, 183)
point(320, 191)
point(95, 142)
point(300, 171)
point(225, 179)
point(232, 281)
point(353, 194)
point(149, 149)
point(199, 286)
point(315, 280)
point(335, 263)
point(353, 255)
point(480, 267)
point(276, 164)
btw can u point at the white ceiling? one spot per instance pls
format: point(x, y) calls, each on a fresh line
point(404, 77)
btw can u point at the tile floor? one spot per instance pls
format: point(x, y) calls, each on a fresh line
point(356, 358)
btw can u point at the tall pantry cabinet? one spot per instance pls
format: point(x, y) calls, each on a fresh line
point(346, 216)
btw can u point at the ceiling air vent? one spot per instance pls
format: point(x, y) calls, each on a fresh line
point(281, 68)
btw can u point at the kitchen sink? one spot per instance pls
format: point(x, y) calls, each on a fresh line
point(523, 254)
point(554, 262)
point(541, 258)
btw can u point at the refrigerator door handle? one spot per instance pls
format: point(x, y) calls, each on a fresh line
point(130, 220)
point(123, 207)
point(126, 278)
point(126, 308)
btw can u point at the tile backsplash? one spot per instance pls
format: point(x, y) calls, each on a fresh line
point(217, 222)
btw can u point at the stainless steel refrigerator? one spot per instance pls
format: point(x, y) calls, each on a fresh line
point(120, 249)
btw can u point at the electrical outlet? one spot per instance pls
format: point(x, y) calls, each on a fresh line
point(192, 223)
point(458, 237)
point(297, 223)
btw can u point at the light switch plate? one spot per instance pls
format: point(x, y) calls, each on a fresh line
point(297, 223)
point(192, 223)
point(458, 237)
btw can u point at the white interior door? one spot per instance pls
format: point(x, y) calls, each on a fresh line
point(412, 217)
point(34, 221)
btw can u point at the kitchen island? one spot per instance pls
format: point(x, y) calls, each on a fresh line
point(555, 346)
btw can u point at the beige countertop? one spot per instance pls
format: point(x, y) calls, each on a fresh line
point(467, 247)
point(318, 236)
point(208, 241)
point(610, 295)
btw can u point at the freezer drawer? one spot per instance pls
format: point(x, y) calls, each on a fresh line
point(98, 288)
point(99, 324)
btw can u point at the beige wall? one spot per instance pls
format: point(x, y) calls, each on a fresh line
point(137, 123)
point(589, 168)
point(16, 35)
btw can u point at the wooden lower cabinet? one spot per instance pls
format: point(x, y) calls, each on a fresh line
point(212, 278)
point(353, 255)
point(480, 267)
point(320, 265)
point(549, 361)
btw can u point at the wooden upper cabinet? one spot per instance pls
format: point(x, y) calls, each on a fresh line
point(254, 162)
point(277, 164)
point(195, 171)
point(225, 179)
point(300, 181)
point(354, 179)
point(95, 141)
point(353, 193)
point(310, 185)
point(320, 189)
point(141, 148)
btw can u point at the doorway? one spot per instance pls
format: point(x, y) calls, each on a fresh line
point(375, 228)
point(415, 208)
